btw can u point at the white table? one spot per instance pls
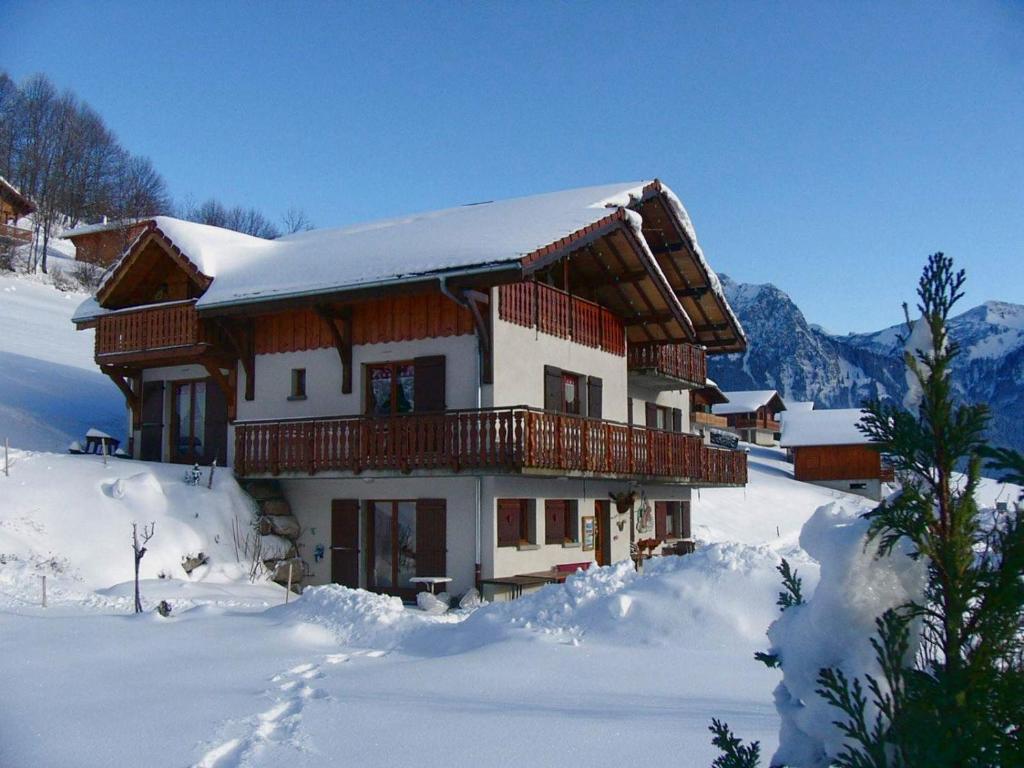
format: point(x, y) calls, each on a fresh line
point(430, 581)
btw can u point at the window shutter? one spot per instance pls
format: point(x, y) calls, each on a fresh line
point(431, 537)
point(677, 420)
point(552, 388)
point(660, 521)
point(509, 512)
point(594, 387)
point(554, 521)
point(152, 421)
point(651, 415)
point(345, 542)
point(428, 384)
point(685, 529)
point(216, 425)
point(629, 411)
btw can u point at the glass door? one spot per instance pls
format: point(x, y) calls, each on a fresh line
point(393, 550)
point(188, 422)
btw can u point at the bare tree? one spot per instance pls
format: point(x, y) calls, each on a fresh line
point(139, 549)
point(296, 220)
point(249, 221)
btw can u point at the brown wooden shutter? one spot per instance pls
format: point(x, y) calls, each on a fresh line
point(509, 513)
point(552, 388)
point(660, 522)
point(151, 448)
point(554, 521)
point(651, 415)
point(345, 542)
point(686, 524)
point(431, 537)
point(594, 388)
point(428, 384)
point(216, 438)
point(629, 410)
point(677, 420)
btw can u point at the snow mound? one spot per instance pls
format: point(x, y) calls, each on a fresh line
point(833, 628)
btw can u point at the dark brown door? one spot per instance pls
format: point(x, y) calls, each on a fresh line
point(345, 542)
point(602, 539)
point(216, 425)
point(431, 538)
point(152, 421)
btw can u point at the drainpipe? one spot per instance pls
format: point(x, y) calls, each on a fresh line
point(478, 551)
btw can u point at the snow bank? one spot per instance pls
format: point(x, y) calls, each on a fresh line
point(833, 628)
point(69, 517)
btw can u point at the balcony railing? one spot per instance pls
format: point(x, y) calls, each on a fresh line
point(745, 422)
point(557, 313)
point(680, 362)
point(162, 328)
point(518, 439)
point(17, 234)
point(708, 419)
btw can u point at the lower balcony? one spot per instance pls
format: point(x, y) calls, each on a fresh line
point(515, 440)
point(12, 235)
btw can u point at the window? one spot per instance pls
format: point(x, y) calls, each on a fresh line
point(188, 421)
point(672, 519)
point(390, 388)
point(568, 392)
point(393, 543)
point(515, 522)
point(298, 384)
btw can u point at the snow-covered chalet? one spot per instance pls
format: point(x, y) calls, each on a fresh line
point(458, 393)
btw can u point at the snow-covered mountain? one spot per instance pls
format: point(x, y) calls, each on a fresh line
point(804, 362)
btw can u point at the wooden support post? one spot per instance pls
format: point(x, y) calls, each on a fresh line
point(241, 338)
point(339, 322)
point(225, 383)
point(133, 398)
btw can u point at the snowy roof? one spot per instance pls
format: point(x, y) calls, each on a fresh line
point(824, 427)
point(468, 239)
point(14, 196)
point(91, 229)
point(796, 406)
point(747, 401)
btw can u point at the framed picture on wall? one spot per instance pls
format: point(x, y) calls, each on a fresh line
point(589, 529)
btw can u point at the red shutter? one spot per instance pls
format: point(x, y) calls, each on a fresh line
point(661, 510)
point(431, 537)
point(554, 521)
point(510, 511)
point(428, 384)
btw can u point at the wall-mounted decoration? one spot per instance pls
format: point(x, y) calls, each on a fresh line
point(589, 532)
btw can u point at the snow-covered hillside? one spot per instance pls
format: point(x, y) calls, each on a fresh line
point(51, 391)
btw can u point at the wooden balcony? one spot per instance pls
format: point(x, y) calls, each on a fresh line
point(515, 440)
point(163, 332)
point(700, 418)
point(557, 313)
point(12, 235)
point(746, 422)
point(668, 366)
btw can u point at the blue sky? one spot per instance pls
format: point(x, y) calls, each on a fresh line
point(826, 148)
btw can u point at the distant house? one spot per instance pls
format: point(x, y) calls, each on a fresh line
point(753, 414)
point(703, 421)
point(13, 206)
point(103, 243)
point(828, 449)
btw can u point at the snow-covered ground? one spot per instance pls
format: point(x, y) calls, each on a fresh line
point(613, 667)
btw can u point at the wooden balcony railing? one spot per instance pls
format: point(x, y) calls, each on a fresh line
point(557, 313)
point(17, 234)
point(518, 439)
point(745, 422)
point(149, 329)
point(684, 362)
point(708, 419)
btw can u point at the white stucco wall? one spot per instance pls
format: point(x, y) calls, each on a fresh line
point(323, 378)
point(520, 355)
point(310, 500)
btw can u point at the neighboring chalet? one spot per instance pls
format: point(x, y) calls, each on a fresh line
point(715, 429)
point(102, 244)
point(453, 393)
point(753, 415)
point(828, 449)
point(13, 206)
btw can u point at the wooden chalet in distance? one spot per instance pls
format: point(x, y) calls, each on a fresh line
point(102, 244)
point(828, 449)
point(753, 415)
point(13, 206)
point(453, 393)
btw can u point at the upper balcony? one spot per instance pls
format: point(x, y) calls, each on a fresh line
point(741, 421)
point(668, 366)
point(13, 235)
point(163, 332)
point(501, 440)
point(557, 313)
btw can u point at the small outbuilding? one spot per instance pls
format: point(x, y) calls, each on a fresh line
point(753, 414)
point(829, 450)
point(103, 243)
point(13, 206)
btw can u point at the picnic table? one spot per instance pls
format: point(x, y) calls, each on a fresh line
point(100, 442)
point(430, 581)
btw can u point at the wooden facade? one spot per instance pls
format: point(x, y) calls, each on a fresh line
point(13, 206)
point(837, 462)
point(103, 247)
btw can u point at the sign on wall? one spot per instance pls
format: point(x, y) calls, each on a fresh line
point(589, 532)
